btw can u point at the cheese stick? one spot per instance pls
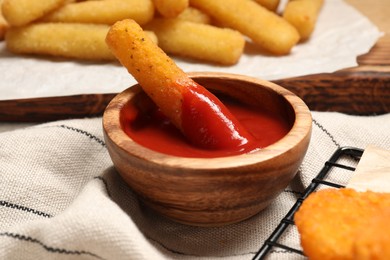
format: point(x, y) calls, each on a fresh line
point(103, 12)
point(264, 27)
point(70, 40)
point(22, 12)
point(189, 106)
point(302, 14)
point(198, 41)
point(170, 8)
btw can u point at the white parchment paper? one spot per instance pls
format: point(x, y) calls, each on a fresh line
point(373, 171)
point(341, 34)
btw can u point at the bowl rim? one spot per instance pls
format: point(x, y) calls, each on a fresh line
point(299, 131)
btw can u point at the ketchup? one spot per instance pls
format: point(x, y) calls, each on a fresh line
point(206, 122)
point(146, 125)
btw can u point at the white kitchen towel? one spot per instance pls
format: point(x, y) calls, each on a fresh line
point(61, 198)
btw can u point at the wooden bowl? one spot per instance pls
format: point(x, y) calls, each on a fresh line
point(213, 191)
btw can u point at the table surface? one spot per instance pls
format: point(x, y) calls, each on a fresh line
point(362, 90)
point(378, 12)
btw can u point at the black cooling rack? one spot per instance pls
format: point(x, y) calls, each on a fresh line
point(321, 179)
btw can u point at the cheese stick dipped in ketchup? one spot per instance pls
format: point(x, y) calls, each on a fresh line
point(199, 115)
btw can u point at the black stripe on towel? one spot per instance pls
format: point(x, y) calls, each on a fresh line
point(315, 122)
point(23, 208)
point(46, 247)
point(300, 193)
point(91, 136)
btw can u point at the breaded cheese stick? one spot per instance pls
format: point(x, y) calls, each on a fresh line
point(70, 40)
point(271, 5)
point(22, 12)
point(302, 14)
point(81, 41)
point(103, 12)
point(170, 8)
point(198, 41)
point(264, 27)
point(199, 115)
point(150, 66)
point(192, 14)
point(3, 23)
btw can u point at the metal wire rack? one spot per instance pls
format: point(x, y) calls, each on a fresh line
point(321, 179)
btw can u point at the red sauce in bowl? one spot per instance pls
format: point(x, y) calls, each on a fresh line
point(144, 123)
point(208, 123)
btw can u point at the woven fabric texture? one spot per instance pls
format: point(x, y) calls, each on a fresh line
point(61, 198)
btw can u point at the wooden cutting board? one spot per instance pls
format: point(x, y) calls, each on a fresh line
point(363, 90)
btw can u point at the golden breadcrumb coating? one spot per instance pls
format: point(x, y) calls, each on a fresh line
point(338, 224)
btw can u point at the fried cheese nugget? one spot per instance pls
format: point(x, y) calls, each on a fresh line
point(302, 14)
point(198, 41)
point(264, 27)
point(366, 247)
point(330, 222)
point(22, 12)
point(103, 12)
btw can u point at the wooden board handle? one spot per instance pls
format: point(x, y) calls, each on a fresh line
point(350, 92)
point(54, 108)
point(347, 91)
